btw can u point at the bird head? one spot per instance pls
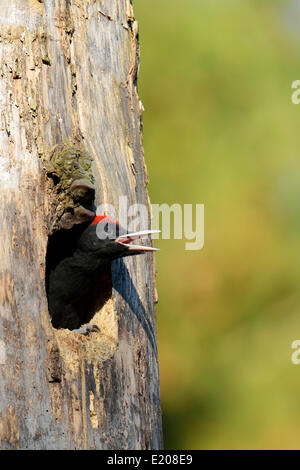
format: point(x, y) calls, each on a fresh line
point(108, 239)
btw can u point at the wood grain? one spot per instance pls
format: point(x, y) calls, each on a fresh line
point(68, 72)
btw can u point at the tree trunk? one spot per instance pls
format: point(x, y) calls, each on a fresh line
point(68, 81)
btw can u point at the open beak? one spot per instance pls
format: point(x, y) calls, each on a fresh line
point(129, 237)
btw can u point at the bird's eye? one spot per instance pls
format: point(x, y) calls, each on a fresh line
point(105, 231)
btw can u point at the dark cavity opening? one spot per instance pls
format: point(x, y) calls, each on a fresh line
point(73, 295)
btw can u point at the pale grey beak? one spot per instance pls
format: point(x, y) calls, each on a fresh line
point(129, 237)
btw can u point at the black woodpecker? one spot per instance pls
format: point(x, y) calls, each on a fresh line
point(76, 260)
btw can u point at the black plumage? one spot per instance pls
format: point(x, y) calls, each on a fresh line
point(77, 261)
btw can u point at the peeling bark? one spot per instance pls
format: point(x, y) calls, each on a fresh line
point(68, 72)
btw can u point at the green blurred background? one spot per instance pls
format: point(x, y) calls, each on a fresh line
point(220, 129)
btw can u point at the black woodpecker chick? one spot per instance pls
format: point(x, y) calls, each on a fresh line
point(75, 260)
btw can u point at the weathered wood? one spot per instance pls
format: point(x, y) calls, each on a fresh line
point(68, 73)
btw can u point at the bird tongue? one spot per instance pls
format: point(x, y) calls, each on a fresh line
point(129, 237)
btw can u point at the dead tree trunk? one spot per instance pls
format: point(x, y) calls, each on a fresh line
point(68, 87)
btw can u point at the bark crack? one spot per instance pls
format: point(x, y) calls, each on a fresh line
point(106, 15)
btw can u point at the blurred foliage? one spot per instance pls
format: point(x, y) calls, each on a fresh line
point(220, 129)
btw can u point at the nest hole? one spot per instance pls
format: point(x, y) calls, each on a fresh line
point(73, 297)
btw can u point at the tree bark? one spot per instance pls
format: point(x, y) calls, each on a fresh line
point(68, 77)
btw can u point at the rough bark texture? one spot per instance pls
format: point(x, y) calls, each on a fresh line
point(68, 74)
